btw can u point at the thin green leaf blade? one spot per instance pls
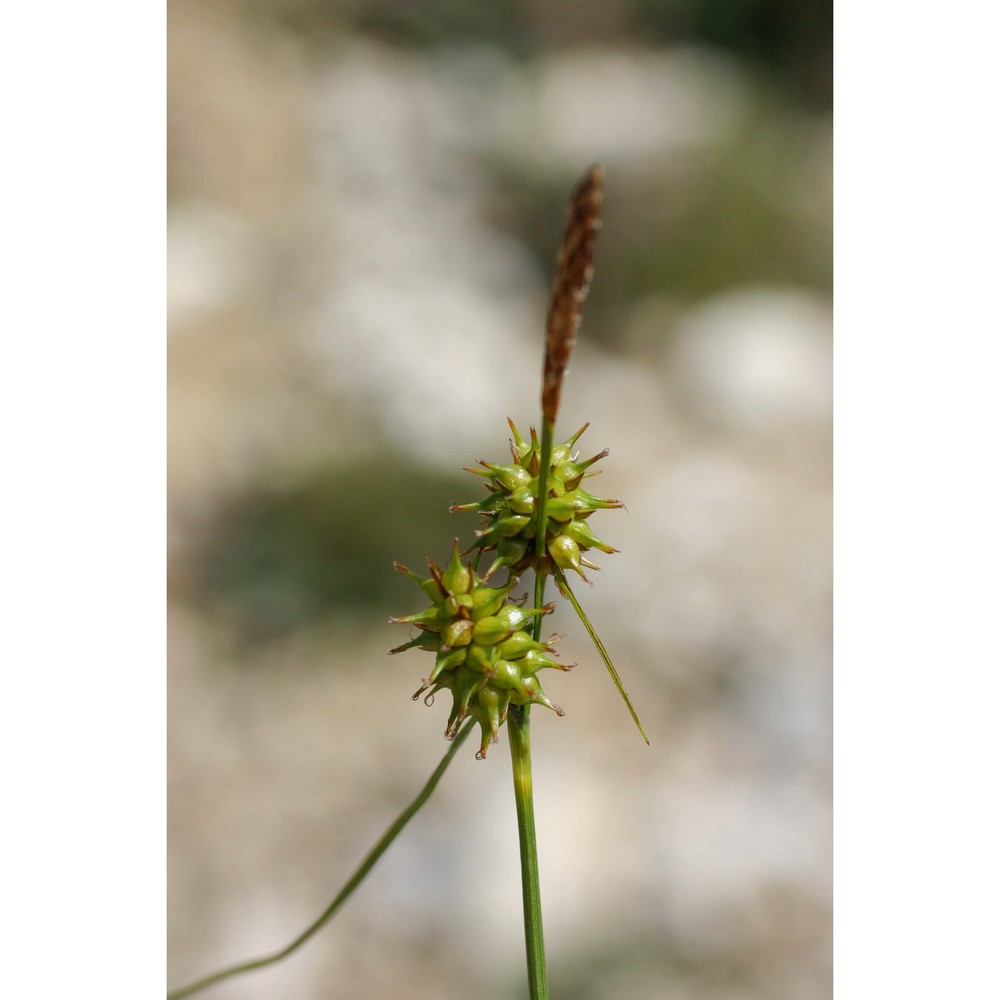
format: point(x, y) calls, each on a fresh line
point(565, 587)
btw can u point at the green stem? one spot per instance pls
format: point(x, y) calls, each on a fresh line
point(541, 522)
point(565, 588)
point(519, 728)
point(355, 880)
point(518, 723)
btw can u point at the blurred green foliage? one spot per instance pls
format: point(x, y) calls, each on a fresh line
point(281, 558)
point(730, 228)
point(792, 40)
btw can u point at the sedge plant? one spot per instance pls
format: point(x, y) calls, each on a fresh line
point(488, 646)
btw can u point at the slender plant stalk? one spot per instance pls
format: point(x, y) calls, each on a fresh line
point(519, 736)
point(545, 455)
point(519, 725)
point(352, 883)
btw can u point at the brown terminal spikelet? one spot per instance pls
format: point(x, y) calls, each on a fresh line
point(574, 269)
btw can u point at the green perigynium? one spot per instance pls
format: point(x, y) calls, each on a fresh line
point(483, 654)
point(510, 509)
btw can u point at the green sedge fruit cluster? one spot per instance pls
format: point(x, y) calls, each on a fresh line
point(483, 654)
point(513, 500)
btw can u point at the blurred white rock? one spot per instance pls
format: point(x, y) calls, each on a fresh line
point(618, 106)
point(756, 362)
point(720, 843)
point(211, 259)
point(421, 309)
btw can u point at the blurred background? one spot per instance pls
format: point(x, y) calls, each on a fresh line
point(365, 201)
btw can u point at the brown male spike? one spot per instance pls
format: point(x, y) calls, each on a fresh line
point(574, 269)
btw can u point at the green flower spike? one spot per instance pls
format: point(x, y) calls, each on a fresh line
point(483, 653)
point(510, 508)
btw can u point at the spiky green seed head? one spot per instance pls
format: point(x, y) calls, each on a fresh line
point(510, 509)
point(483, 656)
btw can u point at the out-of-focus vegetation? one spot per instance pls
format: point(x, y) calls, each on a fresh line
point(791, 42)
point(364, 203)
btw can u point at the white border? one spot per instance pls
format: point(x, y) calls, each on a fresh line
point(82, 405)
point(917, 501)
